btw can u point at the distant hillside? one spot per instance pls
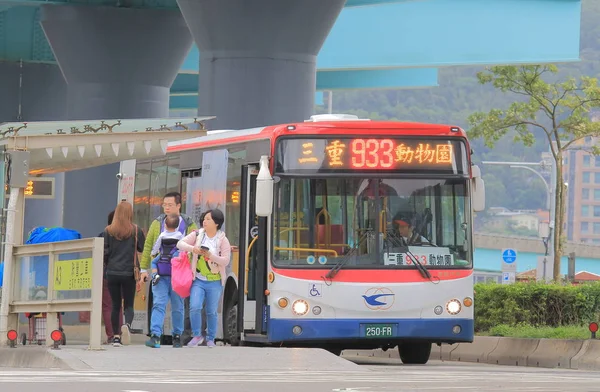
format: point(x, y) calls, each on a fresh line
point(459, 95)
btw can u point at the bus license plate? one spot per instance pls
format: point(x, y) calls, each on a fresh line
point(378, 330)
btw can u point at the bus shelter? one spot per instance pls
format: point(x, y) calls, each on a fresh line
point(31, 150)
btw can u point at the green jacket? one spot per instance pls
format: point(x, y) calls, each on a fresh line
point(154, 232)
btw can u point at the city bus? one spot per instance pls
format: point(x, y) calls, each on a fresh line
point(347, 233)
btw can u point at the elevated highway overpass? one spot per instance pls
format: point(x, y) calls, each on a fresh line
point(256, 62)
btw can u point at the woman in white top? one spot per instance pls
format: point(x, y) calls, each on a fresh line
point(211, 253)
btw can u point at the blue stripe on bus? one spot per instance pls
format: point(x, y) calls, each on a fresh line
point(315, 329)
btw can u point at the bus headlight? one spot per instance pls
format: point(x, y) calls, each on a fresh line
point(453, 306)
point(300, 307)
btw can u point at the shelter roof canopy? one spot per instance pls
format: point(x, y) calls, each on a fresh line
point(58, 146)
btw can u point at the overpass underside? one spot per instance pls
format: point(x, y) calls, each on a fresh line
point(257, 62)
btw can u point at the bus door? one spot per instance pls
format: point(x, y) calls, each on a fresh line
point(252, 266)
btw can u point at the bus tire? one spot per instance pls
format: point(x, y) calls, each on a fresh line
point(415, 353)
point(230, 317)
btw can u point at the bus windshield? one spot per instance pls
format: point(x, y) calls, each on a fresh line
point(372, 223)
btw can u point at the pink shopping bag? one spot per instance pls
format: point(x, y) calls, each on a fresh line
point(181, 275)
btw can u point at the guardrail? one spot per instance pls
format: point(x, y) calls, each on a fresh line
point(74, 282)
point(545, 353)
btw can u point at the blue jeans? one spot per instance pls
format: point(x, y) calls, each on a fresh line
point(154, 263)
point(202, 289)
point(162, 292)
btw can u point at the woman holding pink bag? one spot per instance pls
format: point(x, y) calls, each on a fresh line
point(211, 254)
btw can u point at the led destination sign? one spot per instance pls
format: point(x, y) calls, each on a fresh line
point(370, 154)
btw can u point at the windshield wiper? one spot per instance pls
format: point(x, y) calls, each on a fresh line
point(343, 260)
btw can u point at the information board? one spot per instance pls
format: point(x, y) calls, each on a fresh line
point(72, 275)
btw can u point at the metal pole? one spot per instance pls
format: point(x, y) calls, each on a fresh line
point(7, 286)
point(552, 212)
point(330, 102)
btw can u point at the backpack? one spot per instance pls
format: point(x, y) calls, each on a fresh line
point(168, 247)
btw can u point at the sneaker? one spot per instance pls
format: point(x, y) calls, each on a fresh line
point(176, 341)
point(116, 342)
point(155, 279)
point(125, 335)
point(196, 341)
point(153, 342)
point(210, 343)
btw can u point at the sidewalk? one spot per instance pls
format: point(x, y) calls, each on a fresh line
point(141, 358)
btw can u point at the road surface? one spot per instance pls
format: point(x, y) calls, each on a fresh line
point(374, 375)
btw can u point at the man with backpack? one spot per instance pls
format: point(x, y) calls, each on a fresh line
point(162, 292)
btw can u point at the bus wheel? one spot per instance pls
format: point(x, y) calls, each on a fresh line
point(230, 316)
point(415, 353)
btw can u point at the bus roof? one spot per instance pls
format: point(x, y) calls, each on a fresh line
point(327, 126)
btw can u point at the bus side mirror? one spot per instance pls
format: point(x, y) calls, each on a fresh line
point(264, 189)
point(477, 190)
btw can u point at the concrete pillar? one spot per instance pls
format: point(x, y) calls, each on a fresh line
point(35, 92)
point(31, 92)
point(119, 63)
point(258, 58)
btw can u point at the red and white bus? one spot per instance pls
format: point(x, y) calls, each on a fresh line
point(347, 233)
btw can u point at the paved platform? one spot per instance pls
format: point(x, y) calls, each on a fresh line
point(141, 358)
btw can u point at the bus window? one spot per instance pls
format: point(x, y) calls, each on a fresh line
point(371, 222)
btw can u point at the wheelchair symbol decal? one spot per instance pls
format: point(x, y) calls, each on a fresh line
point(315, 290)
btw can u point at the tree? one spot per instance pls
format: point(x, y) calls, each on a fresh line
point(559, 111)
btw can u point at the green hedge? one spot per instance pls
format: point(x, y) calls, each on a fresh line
point(535, 304)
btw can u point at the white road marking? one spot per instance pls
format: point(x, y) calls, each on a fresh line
point(132, 390)
point(435, 378)
point(350, 389)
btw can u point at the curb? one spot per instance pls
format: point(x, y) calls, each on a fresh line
point(543, 353)
point(31, 358)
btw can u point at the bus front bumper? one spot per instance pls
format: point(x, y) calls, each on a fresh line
point(436, 330)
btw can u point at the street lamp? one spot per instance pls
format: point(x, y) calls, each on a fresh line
point(545, 232)
point(526, 166)
point(548, 191)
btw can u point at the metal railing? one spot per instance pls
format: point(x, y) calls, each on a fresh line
point(73, 282)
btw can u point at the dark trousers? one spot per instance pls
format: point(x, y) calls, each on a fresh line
point(107, 311)
point(121, 288)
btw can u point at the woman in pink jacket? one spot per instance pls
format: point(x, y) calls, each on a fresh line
point(211, 253)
